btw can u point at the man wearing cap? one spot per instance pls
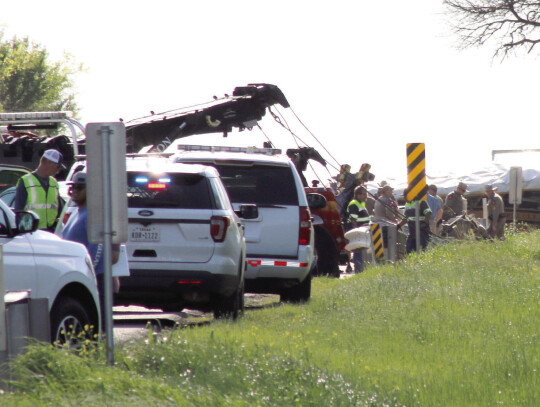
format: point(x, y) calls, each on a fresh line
point(386, 205)
point(76, 229)
point(38, 191)
point(435, 204)
point(496, 215)
point(455, 202)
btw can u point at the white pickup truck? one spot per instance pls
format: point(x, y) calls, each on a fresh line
point(51, 268)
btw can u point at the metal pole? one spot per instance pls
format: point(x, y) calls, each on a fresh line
point(514, 218)
point(417, 224)
point(105, 134)
point(373, 258)
point(3, 333)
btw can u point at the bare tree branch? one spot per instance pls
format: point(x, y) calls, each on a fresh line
point(511, 25)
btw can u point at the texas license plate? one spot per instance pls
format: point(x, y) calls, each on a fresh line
point(145, 234)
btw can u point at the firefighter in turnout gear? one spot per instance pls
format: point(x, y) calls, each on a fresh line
point(424, 217)
point(358, 216)
point(39, 190)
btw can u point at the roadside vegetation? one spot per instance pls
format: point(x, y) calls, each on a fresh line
point(457, 325)
point(30, 81)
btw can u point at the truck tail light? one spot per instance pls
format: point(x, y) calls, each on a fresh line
point(218, 227)
point(304, 234)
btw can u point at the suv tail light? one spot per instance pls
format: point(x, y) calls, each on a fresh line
point(304, 234)
point(218, 227)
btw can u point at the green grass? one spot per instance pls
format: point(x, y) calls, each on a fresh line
point(458, 325)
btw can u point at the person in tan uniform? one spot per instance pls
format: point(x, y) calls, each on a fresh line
point(386, 206)
point(496, 215)
point(455, 202)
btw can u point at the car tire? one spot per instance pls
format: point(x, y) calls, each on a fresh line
point(70, 323)
point(231, 307)
point(327, 254)
point(298, 294)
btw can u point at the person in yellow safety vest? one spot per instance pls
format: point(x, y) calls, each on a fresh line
point(423, 219)
point(358, 216)
point(38, 191)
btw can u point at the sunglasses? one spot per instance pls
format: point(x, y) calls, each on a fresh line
point(77, 187)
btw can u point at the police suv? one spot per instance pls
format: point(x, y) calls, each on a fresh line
point(186, 246)
point(280, 239)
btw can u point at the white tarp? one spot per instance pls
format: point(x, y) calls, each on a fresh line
point(496, 174)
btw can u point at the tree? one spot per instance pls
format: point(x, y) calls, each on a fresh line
point(30, 82)
point(513, 25)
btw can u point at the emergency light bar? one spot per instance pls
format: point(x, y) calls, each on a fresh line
point(215, 149)
point(35, 116)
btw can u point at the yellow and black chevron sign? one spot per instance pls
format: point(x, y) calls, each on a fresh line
point(376, 234)
point(416, 172)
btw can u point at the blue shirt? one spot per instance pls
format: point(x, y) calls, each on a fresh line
point(76, 230)
point(433, 203)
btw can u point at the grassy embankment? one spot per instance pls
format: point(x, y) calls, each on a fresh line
point(455, 326)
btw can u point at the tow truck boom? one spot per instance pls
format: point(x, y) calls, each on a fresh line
point(242, 110)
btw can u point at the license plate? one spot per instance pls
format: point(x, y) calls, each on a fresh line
point(145, 234)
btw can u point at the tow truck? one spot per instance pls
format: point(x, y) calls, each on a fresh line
point(21, 145)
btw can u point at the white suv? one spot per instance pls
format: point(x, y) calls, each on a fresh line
point(51, 268)
point(186, 246)
point(280, 240)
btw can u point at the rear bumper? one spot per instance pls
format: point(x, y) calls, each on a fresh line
point(272, 275)
point(174, 289)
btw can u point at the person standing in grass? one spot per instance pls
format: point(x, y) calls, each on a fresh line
point(423, 219)
point(496, 215)
point(455, 202)
point(435, 204)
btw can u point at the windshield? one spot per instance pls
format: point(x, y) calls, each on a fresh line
point(259, 184)
point(183, 191)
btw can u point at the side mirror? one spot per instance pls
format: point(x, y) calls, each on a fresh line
point(26, 222)
point(316, 201)
point(248, 211)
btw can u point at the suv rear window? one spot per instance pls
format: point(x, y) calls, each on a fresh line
point(259, 184)
point(176, 191)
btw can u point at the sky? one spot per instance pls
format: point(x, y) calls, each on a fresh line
point(365, 78)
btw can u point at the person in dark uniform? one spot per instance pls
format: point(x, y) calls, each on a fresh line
point(424, 217)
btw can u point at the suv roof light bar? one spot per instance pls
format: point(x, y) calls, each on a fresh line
point(35, 115)
point(248, 150)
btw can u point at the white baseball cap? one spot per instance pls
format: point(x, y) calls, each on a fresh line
point(55, 156)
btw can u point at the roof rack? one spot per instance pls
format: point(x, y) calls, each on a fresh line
point(248, 150)
point(15, 120)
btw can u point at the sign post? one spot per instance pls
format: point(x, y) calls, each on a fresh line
point(107, 204)
point(515, 192)
point(3, 333)
point(416, 177)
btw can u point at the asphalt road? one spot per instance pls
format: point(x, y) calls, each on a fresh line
point(132, 322)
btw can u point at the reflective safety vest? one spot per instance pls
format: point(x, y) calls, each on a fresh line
point(43, 203)
point(363, 216)
point(410, 211)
